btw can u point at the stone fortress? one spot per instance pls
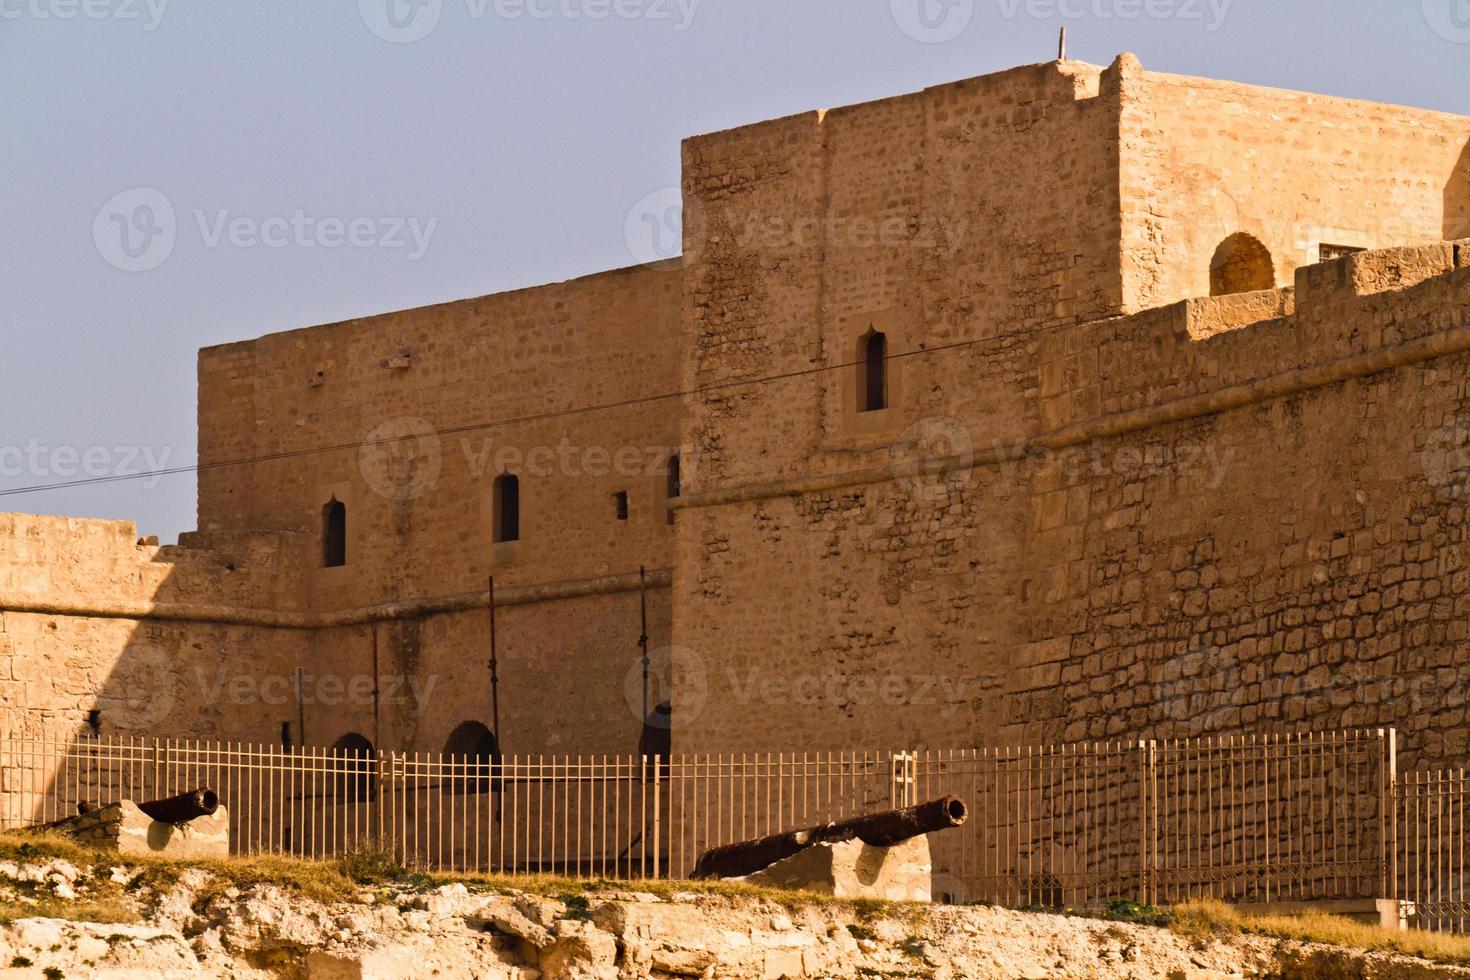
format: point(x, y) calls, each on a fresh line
point(1057, 404)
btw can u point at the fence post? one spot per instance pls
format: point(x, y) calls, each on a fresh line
point(657, 812)
point(1147, 820)
point(903, 772)
point(1388, 811)
point(378, 830)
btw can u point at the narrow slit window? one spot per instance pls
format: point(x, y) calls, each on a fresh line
point(334, 534)
point(507, 508)
point(620, 504)
point(873, 365)
point(675, 488)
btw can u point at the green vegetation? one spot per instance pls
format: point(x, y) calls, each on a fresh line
point(578, 907)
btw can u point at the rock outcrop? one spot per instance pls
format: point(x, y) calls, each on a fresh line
point(198, 926)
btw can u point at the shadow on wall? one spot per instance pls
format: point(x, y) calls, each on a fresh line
point(1457, 199)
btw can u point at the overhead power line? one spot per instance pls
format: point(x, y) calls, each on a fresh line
point(471, 427)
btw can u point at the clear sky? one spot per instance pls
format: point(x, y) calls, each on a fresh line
point(325, 159)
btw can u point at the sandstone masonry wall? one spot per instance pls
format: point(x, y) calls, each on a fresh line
point(419, 386)
point(936, 574)
point(1205, 159)
point(90, 618)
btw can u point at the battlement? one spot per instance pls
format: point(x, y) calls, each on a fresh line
point(1354, 314)
point(69, 565)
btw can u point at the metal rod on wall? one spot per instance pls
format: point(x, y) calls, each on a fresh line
point(643, 634)
point(495, 705)
point(494, 673)
point(377, 690)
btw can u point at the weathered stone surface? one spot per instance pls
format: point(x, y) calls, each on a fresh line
point(121, 826)
point(198, 929)
point(853, 869)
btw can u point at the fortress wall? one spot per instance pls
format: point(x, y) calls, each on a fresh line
point(1002, 191)
point(964, 217)
point(89, 619)
point(1224, 526)
point(420, 504)
point(1204, 159)
point(1291, 558)
point(570, 676)
point(1202, 346)
point(421, 384)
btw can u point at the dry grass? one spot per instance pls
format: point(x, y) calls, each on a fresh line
point(374, 869)
point(1205, 919)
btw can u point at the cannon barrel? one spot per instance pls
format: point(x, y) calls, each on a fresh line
point(883, 829)
point(182, 808)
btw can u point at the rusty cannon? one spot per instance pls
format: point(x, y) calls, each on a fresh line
point(885, 829)
point(184, 807)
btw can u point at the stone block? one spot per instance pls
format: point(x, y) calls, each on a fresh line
point(852, 869)
point(123, 827)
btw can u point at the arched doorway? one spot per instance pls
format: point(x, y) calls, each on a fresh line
point(353, 758)
point(473, 753)
point(1241, 265)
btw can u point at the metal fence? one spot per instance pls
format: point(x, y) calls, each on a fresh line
point(1242, 818)
point(1432, 849)
point(1254, 818)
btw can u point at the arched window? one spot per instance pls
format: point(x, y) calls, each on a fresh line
point(473, 751)
point(353, 757)
point(675, 488)
point(334, 534)
point(507, 508)
point(873, 372)
point(1241, 265)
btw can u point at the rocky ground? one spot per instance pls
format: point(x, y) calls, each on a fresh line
point(194, 923)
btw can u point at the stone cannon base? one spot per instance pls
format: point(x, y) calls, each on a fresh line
point(853, 869)
point(124, 828)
